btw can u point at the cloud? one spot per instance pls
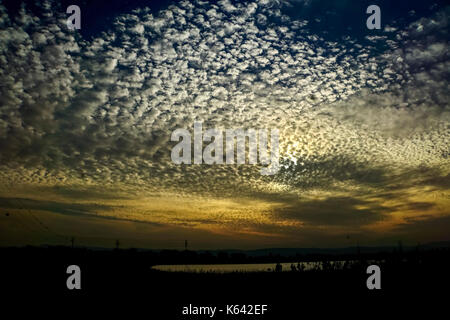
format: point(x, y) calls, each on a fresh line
point(427, 228)
point(334, 211)
point(57, 207)
point(355, 118)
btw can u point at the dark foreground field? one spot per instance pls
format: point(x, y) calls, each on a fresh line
point(124, 279)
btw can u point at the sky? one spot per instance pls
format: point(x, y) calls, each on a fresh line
point(86, 118)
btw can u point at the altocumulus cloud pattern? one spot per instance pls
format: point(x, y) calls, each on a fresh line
point(85, 121)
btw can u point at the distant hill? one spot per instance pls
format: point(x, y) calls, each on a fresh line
point(302, 251)
point(346, 250)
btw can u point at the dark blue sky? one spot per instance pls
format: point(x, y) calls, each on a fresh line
point(332, 19)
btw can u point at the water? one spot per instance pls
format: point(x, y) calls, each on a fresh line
point(250, 267)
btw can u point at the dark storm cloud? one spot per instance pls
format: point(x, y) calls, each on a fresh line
point(72, 209)
point(52, 206)
point(322, 171)
point(334, 211)
point(423, 176)
point(83, 192)
point(438, 181)
point(435, 228)
point(418, 206)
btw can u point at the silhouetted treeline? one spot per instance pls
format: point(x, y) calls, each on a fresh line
point(156, 257)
